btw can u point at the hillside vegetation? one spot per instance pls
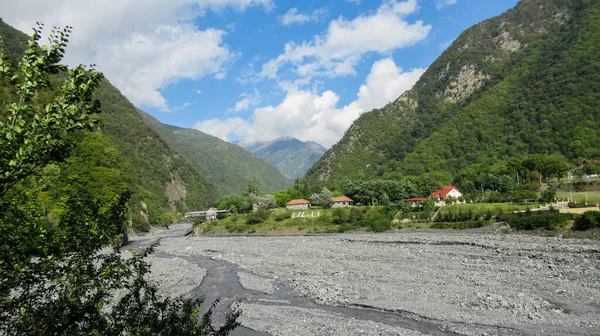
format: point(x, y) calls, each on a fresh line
point(523, 83)
point(227, 166)
point(124, 153)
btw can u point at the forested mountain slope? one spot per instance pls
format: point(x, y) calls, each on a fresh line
point(291, 156)
point(164, 177)
point(227, 166)
point(124, 153)
point(525, 82)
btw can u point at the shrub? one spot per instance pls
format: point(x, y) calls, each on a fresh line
point(356, 214)
point(282, 215)
point(380, 225)
point(324, 219)
point(258, 217)
point(588, 220)
point(253, 218)
point(346, 227)
point(544, 221)
point(340, 216)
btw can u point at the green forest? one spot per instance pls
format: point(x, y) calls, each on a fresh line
point(539, 99)
point(166, 170)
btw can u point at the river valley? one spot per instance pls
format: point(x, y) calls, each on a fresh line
point(395, 283)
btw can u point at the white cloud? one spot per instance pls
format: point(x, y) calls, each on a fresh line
point(310, 116)
point(198, 92)
point(182, 107)
point(385, 83)
point(247, 101)
point(439, 4)
point(337, 52)
point(292, 16)
point(221, 128)
point(142, 46)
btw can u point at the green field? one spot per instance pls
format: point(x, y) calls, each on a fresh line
point(482, 209)
point(591, 196)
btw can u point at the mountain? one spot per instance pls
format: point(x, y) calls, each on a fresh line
point(522, 83)
point(227, 166)
point(291, 156)
point(159, 178)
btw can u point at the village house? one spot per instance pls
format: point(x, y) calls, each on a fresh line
point(208, 215)
point(441, 195)
point(211, 214)
point(341, 202)
point(298, 204)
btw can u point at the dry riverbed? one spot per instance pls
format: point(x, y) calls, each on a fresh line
point(396, 283)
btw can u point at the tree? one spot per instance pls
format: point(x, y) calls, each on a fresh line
point(53, 278)
point(253, 187)
point(321, 199)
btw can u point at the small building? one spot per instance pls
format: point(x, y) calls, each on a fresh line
point(416, 201)
point(298, 204)
point(341, 202)
point(211, 214)
point(441, 195)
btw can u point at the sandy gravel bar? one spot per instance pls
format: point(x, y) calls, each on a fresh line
point(468, 282)
point(293, 321)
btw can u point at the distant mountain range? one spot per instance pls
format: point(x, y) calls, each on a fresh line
point(290, 156)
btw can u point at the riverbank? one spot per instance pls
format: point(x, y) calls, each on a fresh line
point(430, 282)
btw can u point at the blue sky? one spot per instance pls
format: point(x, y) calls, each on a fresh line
point(254, 70)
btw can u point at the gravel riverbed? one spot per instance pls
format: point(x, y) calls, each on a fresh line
point(395, 283)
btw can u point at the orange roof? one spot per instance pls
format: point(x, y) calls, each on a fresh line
point(443, 192)
point(341, 199)
point(417, 199)
point(298, 201)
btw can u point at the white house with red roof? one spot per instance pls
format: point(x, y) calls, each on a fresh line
point(298, 204)
point(341, 202)
point(441, 195)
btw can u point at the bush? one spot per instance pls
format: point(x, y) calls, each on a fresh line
point(282, 215)
point(258, 217)
point(340, 216)
point(346, 227)
point(253, 218)
point(380, 225)
point(588, 220)
point(545, 222)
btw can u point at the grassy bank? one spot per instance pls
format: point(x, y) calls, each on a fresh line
point(282, 221)
point(578, 197)
point(488, 209)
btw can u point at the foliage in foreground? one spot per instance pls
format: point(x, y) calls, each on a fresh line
point(55, 279)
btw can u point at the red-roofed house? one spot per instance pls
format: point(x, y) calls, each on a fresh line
point(449, 191)
point(341, 202)
point(298, 204)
